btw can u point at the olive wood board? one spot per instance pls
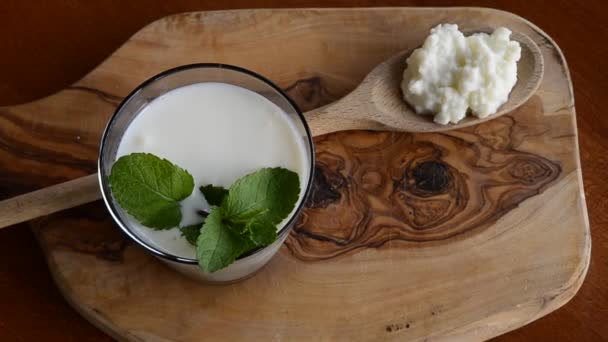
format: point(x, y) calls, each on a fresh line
point(458, 235)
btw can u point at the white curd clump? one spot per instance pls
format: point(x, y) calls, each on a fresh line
point(451, 73)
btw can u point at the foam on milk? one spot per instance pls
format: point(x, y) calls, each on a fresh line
point(219, 133)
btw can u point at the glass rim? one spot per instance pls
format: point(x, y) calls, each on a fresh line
point(105, 190)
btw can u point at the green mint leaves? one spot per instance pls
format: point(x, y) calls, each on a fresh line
point(242, 218)
point(247, 216)
point(268, 194)
point(150, 188)
point(191, 232)
point(218, 245)
point(214, 194)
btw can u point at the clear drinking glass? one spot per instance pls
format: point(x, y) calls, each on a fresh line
point(162, 83)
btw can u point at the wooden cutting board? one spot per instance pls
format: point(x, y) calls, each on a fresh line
point(459, 235)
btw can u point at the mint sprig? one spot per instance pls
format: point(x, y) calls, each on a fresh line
point(268, 194)
point(217, 245)
point(242, 218)
point(150, 189)
point(255, 204)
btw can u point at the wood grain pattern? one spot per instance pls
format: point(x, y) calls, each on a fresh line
point(443, 286)
point(419, 188)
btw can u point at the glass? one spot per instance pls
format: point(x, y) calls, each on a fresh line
point(162, 83)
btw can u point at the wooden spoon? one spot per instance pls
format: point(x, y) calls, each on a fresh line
point(376, 104)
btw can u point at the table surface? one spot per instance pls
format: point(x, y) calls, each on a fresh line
point(47, 47)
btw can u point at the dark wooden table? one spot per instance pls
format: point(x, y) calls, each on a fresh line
point(47, 45)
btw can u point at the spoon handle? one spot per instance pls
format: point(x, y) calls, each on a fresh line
point(49, 200)
point(340, 116)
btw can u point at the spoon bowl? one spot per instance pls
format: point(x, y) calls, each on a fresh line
point(378, 104)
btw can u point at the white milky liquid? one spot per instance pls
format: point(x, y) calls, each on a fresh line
point(219, 133)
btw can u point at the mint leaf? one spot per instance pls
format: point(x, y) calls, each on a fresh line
point(257, 230)
point(191, 232)
point(150, 188)
point(217, 245)
point(261, 232)
point(214, 195)
point(268, 194)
